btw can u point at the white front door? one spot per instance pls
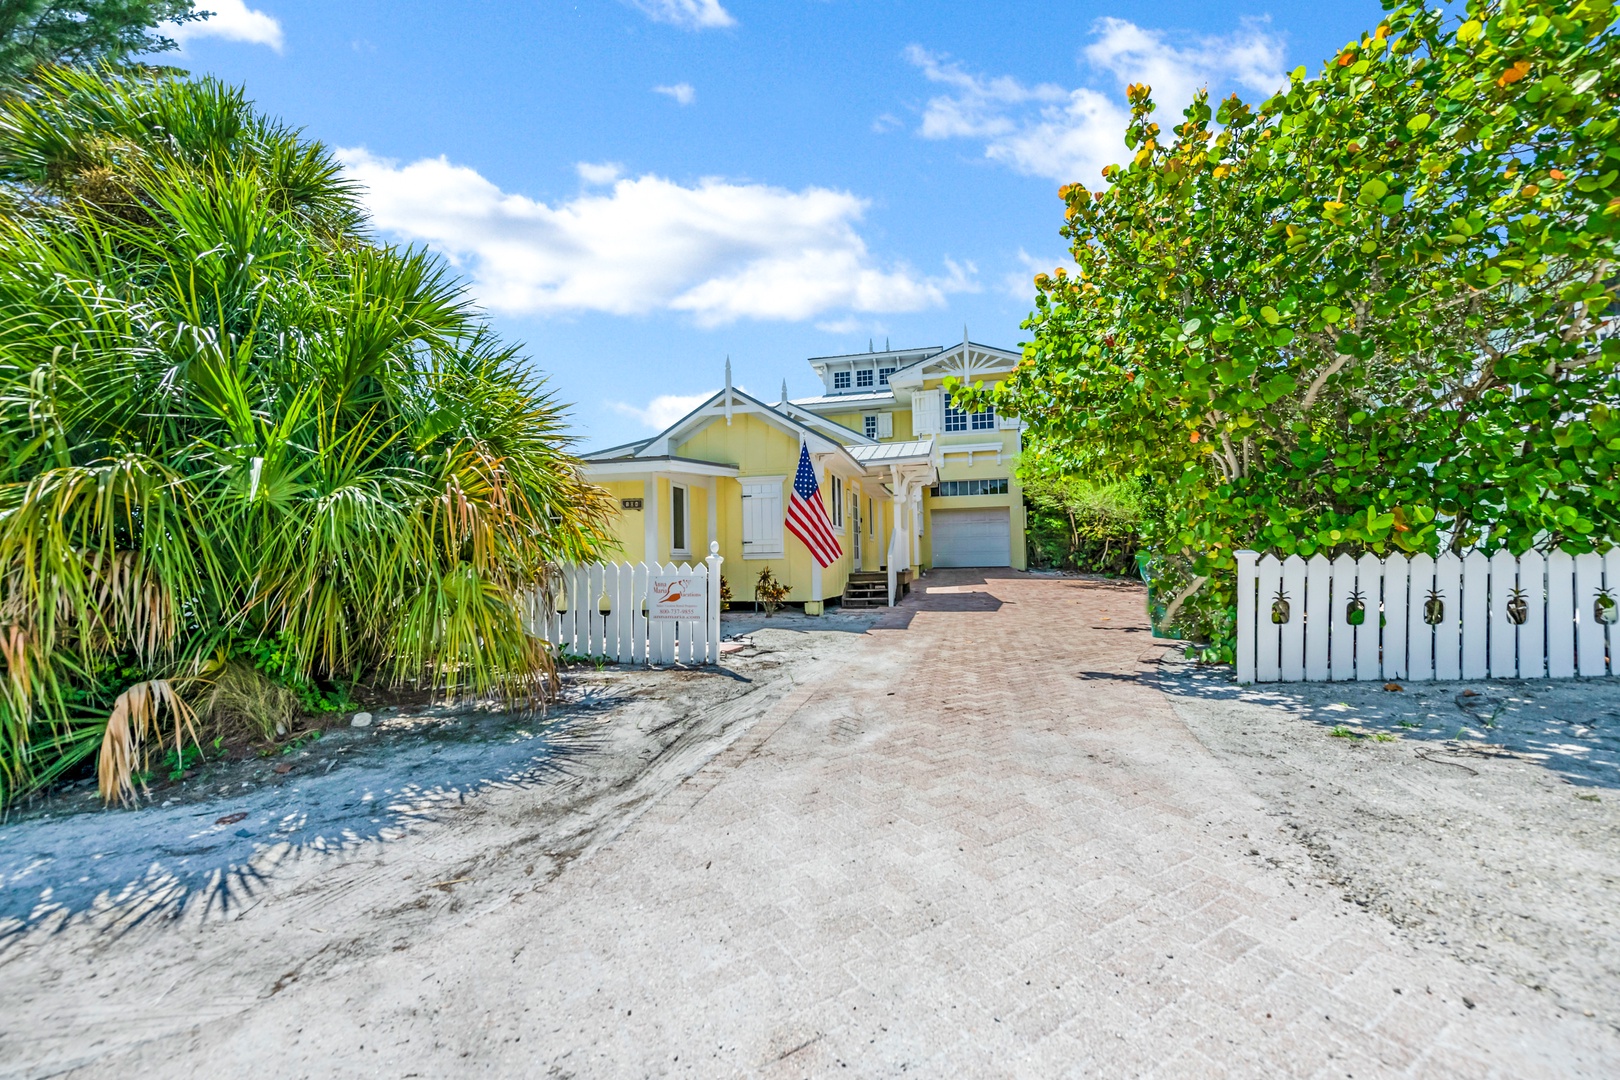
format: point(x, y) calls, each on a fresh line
point(972, 537)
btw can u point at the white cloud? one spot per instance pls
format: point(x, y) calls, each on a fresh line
point(663, 410)
point(681, 92)
point(687, 14)
point(232, 20)
point(604, 172)
point(719, 250)
point(1046, 130)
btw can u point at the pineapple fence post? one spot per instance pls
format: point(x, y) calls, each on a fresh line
point(714, 560)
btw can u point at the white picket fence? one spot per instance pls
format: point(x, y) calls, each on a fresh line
point(1531, 617)
point(601, 611)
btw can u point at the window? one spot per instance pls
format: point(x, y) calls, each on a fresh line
point(883, 375)
point(869, 425)
point(960, 420)
point(840, 380)
point(863, 377)
point(969, 487)
point(677, 519)
point(836, 490)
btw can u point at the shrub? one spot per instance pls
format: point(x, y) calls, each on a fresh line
point(238, 431)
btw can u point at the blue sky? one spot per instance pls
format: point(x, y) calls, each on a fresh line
point(636, 189)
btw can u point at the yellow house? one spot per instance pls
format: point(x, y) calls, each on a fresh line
point(907, 480)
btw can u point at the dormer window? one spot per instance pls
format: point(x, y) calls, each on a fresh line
point(883, 375)
point(863, 377)
point(840, 380)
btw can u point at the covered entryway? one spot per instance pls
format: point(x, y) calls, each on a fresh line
point(972, 537)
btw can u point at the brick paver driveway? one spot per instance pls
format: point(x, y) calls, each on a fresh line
point(984, 848)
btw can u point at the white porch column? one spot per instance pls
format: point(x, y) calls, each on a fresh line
point(649, 524)
point(714, 510)
point(896, 523)
point(916, 527)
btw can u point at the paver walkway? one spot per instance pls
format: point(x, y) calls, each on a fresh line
point(987, 848)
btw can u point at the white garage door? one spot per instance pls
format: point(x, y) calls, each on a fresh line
point(972, 537)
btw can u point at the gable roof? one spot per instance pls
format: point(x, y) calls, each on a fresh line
point(965, 360)
point(831, 438)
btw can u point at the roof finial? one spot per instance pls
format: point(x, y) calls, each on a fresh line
point(869, 345)
point(886, 345)
point(728, 390)
point(964, 335)
point(784, 392)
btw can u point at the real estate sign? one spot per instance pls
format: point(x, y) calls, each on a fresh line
point(678, 596)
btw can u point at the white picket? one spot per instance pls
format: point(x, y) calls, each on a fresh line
point(1370, 587)
point(1504, 638)
point(1419, 634)
point(1533, 633)
point(684, 630)
point(1394, 619)
point(1590, 652)
point(638, 614)
point(1247, 582)
point(606, 643)
point(1560, 615)
point(1267, 632)
point(567, 640)
point(699, 631)
point(1317, 611)
point(624, 609)
point(665, 629)
point(1292, 665)
point(1447, 639)
point(1611, 582)
point(1342, 637)
point(1476, 614)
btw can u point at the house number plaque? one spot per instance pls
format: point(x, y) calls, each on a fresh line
point(630, 504)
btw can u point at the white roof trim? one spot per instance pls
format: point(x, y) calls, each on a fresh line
point(636, 466)
point(966, 361)
point(730, 401)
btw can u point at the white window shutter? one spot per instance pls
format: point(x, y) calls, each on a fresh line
point(885, 425)
point(927, 412)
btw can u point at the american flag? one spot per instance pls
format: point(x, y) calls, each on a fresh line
point(807, 518)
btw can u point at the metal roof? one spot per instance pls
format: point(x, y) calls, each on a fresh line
point(888, 453)
point(871, 397)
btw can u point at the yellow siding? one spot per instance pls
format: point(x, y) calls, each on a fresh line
point(627, 525)
point(760, 448)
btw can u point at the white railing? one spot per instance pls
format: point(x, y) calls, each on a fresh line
point(606, 611)
point(1531, 617)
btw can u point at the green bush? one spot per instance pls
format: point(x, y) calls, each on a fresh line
point(1074, 523)
point(238, 433)
point(1368, 315)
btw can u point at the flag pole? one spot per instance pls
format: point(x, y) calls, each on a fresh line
point(815, 563)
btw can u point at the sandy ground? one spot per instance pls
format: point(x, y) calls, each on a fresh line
point(1483, 817)
point(121, 926)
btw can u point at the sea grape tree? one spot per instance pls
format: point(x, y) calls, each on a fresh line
point(1370, 313)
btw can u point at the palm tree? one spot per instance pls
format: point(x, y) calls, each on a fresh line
point(236, 426)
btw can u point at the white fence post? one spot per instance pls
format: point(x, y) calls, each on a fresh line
point(1267, 636)
point(1293, 630)
point(1317, 612)
point(714, 560)
point(1447, 639)
point(1560, 615)
point(1589, 644)
point(1393, 617)
point(1419, 632)
point(1476, 615)
point(1504, 643)
point(1246, 614)
point(1533, 633)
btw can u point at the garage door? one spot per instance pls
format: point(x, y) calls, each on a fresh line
point(972, 537)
